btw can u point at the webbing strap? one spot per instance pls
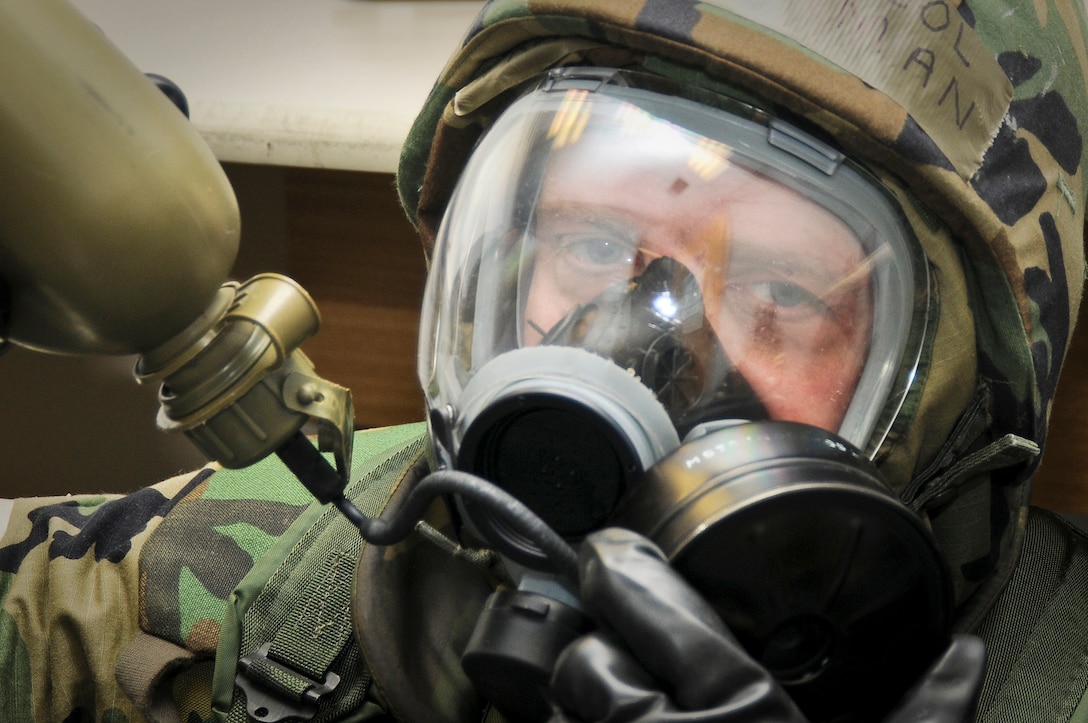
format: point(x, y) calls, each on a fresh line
point(299, 625)
point(328, 592)
point(294, 666)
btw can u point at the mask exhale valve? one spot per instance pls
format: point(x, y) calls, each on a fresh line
point(561, 429)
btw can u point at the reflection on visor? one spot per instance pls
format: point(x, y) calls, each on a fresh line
point(653, 326)
point(789, 287)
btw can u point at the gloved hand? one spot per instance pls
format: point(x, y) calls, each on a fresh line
point(662, 654)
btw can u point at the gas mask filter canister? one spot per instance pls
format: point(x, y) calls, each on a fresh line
point(825, 577)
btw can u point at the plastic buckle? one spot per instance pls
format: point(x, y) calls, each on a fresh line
point(267, 706)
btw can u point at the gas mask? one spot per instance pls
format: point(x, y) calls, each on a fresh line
point(696, 321)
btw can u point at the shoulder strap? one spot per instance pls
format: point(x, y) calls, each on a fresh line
point(287, 645)
point(1037, 633)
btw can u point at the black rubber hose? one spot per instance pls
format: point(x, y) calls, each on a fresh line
point(314, 471)
point(380, 531)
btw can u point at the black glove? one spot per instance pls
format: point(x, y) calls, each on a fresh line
point(662, 654)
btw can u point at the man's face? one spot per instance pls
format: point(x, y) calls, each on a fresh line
point(785, 284)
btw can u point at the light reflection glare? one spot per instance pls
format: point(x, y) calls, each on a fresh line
point(666, 306)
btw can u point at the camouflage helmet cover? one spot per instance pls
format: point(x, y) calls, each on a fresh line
point(971, 116)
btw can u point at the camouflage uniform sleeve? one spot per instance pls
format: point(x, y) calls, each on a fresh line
point(69, 600)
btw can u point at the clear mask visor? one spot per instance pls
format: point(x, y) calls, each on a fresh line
point(737, 268)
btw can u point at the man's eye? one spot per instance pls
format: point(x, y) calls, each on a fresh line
point(782, 293)
point(786, 296)
point(600, 250)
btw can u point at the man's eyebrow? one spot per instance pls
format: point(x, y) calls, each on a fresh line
point(748, 254)
point(617, 219)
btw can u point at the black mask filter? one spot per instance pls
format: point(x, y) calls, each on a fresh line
point(825, 577)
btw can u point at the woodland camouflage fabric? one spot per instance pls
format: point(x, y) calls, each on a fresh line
point(1005, 244)
point(99, 590)
point(69, 586)
point(75, 586)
